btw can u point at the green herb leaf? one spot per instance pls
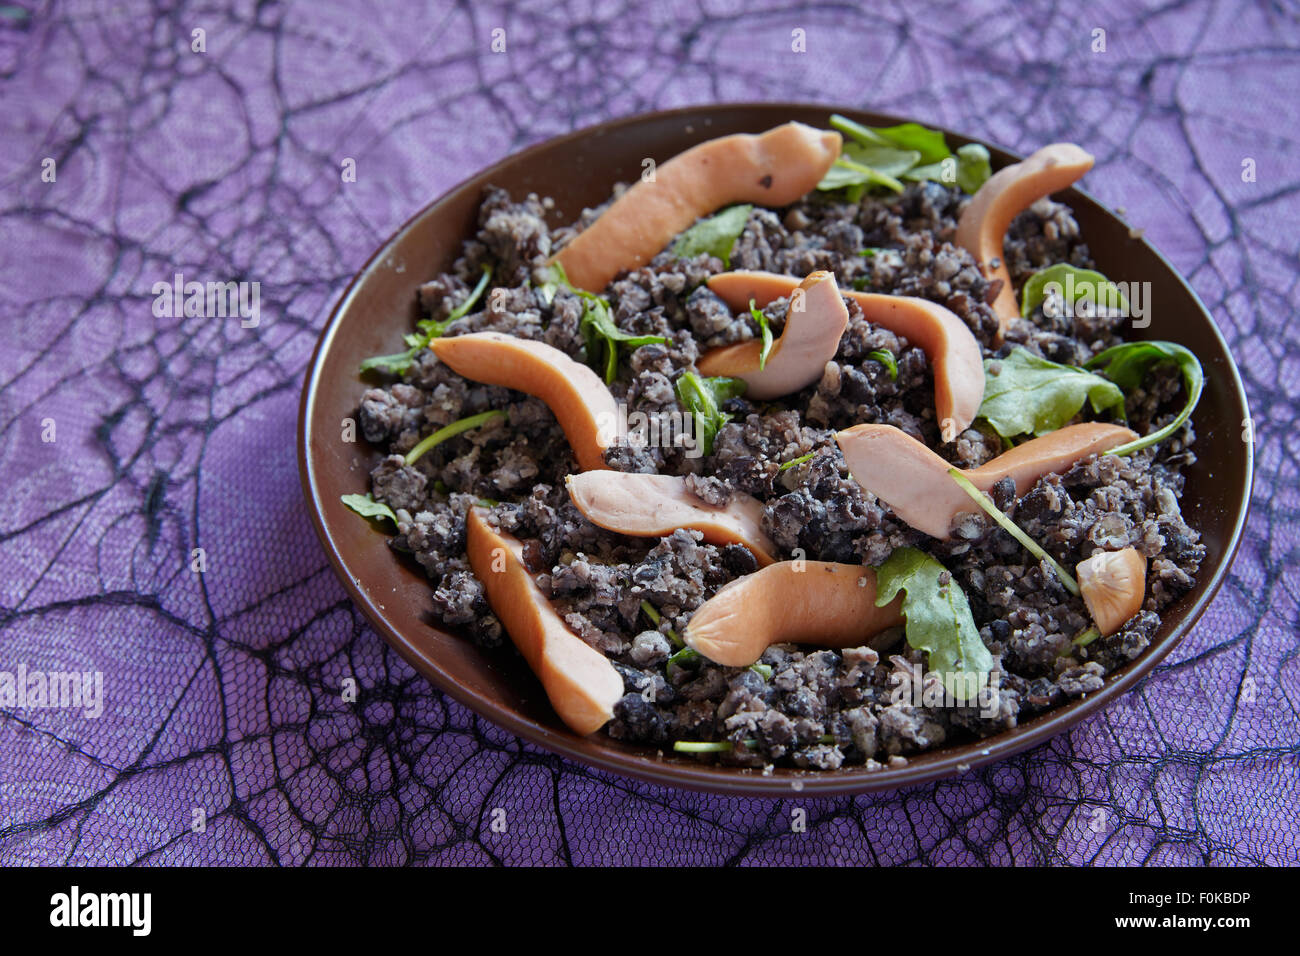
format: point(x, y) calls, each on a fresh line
point(1127, 365)
point(886, 359)
point(683, 657)
point(702, 398)
point(450, 431)
point(973, 167)
point(796, 461)
point(1013, 529)
point(1030, 395)
point(1085, 637)
point(715, 235)
point(395, 364)
point(652, 612)
point(558, 279)
point(429, 329)
point(870, 251)
point(726, 746)
point(968, 169)
point(366, 506)
point(882, 155)
point(929, 144)
point(599, 333)
point(847, 172)
point(602, 337)
point(939, 620)
point(766, 331)
point(705, 746)
point(1076, 285)
point(883, 159)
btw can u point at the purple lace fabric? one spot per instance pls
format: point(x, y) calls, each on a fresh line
point(223, 737)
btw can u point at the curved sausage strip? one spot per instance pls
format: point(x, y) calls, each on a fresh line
point(953, 352)
point(771, 169)
point(804, 602)
point(650, 506)
point(1005, 195)
point(575, 394)
point(580, 683)
point(915, 483)
point(809, 340)
point(1113, 585)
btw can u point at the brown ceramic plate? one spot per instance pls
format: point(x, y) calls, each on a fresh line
point(579, 170)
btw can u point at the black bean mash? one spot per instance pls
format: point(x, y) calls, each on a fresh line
point(629, 597)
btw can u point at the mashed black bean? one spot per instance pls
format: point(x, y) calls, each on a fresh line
point(807, 708)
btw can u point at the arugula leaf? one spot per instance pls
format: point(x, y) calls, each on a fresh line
point(599, 333)
point(683, 657)
point(928, 143)
point(366, 506)
point(429, 329)
point(973, 167)
point(883, 159)
point(602, 336)
point(451, 431)
point(652, 612)
point(766, 331)
point(886, 359)
point(1013, 529)
point(1128, 364)
point(846, 172)
point(913, 136)
point(939, 620)
point(1083, 284)
point(882, 155)
point(715, 235)
point(1030, 395)
point(701, 397)
point(968, 169)
point(796, 461)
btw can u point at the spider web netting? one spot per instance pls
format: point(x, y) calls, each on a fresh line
point(221, 688)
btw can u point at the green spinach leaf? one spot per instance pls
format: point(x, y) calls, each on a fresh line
point(715, 235)
point(885, 358)
point(939, 620)
point(856, 176)
point(973, 167)
point(702, 398)
point(968, 169)
point(1128, 364)
point(884, 155)
point(429, 329)
point(766, 330)
point(602, 337)
point(1076, 285)
point(432, 441)
point(366, 506)
point(794, 462)
point(1030, 395)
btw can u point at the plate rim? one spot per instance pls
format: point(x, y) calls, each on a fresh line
point(653, 766)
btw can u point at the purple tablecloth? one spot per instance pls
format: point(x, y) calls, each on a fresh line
point(129, 440)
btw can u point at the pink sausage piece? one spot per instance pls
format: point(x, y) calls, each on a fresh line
point(650, 506)
point(770, 169)
point(1005, 195)
point(813, 327)
point(914, 481)
point(953, 352)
